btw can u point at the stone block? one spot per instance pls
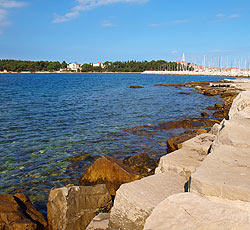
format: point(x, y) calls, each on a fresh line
point(185, 160)
point(224, 173)
point(73, 207)
point(191, 211)
point(135, 201)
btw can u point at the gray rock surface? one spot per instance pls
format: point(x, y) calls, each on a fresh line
point(73, 207)
point(135, 201)
point(224, 173)
point(185, 160)
point(100, 222)
point(241, 106)
point(190, 211)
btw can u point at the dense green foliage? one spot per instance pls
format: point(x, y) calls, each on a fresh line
point(32, 66)
point(135, 66)
point(118, 66)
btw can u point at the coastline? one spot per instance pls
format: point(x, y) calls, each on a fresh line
point(185, 73)
point(192, 85)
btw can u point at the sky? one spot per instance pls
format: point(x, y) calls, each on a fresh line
point(88, 31)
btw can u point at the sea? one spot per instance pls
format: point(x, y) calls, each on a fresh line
point(54, 126)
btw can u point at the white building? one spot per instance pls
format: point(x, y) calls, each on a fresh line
point(98, 64)
point(74, 66)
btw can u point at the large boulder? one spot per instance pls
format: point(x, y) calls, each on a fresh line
point(191, 211)
point(18, 213)
point(73, 207)
point(110, 171)
point(135, 201)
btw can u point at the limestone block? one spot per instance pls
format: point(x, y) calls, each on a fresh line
point(234, 133)
point(224, 173)
point(241, 106)
point(190, 211)
point(135, 201)
point(100, 222)
point(73, 207)
point(185, 160)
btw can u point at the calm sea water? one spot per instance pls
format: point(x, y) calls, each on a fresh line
point(53, 126)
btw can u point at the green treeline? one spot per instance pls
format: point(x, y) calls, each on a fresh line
point(117, 66)
point(32, 66)
point(135, 66)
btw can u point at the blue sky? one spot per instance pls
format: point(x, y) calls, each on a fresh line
point(101, 30)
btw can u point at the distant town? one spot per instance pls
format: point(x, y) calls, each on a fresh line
point(146, 67)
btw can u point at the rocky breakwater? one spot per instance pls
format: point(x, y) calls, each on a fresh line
point(219, 185)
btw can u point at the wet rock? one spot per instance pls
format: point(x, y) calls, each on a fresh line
point(141, 163)
point(185, 93)
point(221, 114)
point(210, 108)
point(191, 123)
point(73, 207)
point(15, 215)
point(204, 114)
point(25, 203)
point(136, 87)
point(110, 171)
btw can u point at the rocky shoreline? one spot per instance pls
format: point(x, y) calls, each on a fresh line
point(132, 187)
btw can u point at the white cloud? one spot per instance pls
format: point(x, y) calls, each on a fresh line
point(180, 21)
point(5, 6)
point(84, 5)
point(234, 16)
point(222, 17)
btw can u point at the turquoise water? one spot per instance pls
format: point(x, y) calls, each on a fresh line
point(47, 121)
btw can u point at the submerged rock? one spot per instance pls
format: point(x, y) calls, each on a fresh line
point(136, 87)
point(141, 163)
point(18, 213)
point(110, 171)
point(73, 207)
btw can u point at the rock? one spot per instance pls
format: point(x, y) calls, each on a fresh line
point(135, 201)
point(190, 211)
point(215, 129)
point(190, 123)
point(224, 173)
point(211, 92)
point(185, 93)
point(185, 160)
point(241, 106)
point(204, 114)
point(136, 87)
point(110, 171)
point(73, 207)
point(25, 203)
point(141, 163)
point(175, 143)
point(210, 108)
point(220, 114)
point(235, 133)
point(100, 222)
point(14, 215)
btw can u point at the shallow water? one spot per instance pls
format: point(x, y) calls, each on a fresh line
point(50, 121)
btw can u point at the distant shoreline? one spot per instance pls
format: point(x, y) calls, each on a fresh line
point(187, 73)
